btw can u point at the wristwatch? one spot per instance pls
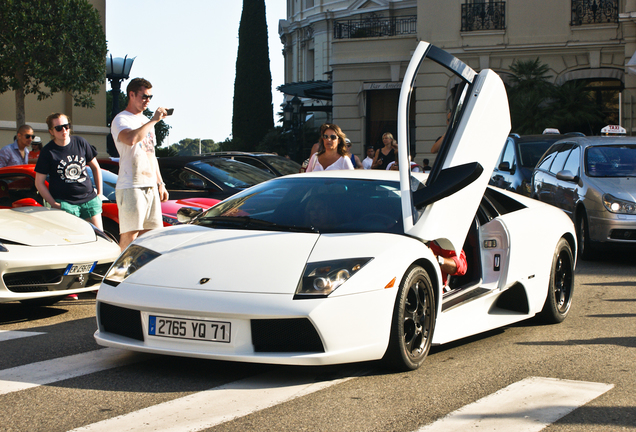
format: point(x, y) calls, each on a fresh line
point(440, 260)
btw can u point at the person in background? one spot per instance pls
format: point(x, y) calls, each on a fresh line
point(17, 153)
point(64, 160)
point(386, 154)
point(140, 187)
point(394, 165)
point(333, 154)
point(426, 166)
point(368, 161)
point(355, 160)
point(36, 146)
point(438, 142)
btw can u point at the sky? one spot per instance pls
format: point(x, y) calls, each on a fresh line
point(187, 50)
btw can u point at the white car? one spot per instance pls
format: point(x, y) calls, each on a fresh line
point(47, 254)
point(333, 267)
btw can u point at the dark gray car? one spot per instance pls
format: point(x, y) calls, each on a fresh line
point(593, 179)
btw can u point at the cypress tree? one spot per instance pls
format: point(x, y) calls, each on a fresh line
point(253, 112)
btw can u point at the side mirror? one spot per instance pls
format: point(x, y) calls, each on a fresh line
point(567, 176)
point(195, 183)
point(449, 181)
point(504, 166)
point(186, 214)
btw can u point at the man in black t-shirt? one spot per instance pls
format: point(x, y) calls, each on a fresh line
point(64, 160)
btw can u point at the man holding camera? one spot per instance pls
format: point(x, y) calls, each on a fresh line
point(140, 188)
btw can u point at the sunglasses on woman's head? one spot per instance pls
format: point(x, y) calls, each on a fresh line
point(331, 137)
point(60, 127)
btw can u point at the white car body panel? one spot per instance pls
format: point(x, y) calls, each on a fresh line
point(40, 239)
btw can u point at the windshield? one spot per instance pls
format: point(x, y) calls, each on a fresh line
point(611, 161)
point(324, 205)
point(231, 173)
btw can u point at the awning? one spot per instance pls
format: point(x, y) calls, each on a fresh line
point(322, 90)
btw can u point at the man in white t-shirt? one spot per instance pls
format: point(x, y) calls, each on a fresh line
point(140, 188)
point(368, 161)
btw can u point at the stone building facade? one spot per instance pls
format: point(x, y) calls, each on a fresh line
point(361, 48)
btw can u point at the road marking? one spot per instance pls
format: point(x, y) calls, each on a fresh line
point(218, 405)
point(49, 371)
point(525, 406)
point(6, 335)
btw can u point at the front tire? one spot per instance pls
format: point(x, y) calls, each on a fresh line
point(583, 237)
point(413, 321)
point(561, 288)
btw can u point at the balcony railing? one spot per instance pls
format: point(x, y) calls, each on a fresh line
point(483, 16)
point(594, 12)
point(375, 27)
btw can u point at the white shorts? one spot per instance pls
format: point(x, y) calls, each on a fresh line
point(139, 209)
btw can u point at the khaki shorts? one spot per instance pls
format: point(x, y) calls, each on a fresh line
point(139, 209)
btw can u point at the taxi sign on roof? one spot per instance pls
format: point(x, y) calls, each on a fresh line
point(551, 131)
point(613, 130)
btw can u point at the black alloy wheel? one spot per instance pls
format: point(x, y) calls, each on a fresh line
point(413, 321)
point(561, 288)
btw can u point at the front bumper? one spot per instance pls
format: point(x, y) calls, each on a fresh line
point(613, 228)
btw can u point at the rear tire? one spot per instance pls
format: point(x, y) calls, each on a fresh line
point(561, 288)
point(413, 321)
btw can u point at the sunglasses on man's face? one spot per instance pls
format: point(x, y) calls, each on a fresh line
point(27, 136)
point(331, 137)
point(146, 97)
point(60, 127)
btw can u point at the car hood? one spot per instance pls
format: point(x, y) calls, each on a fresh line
point(619, 187)
point(39, 226)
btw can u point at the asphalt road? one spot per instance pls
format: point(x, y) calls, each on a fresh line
point(597, 343)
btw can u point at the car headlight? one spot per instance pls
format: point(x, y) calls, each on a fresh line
point(322, 278)
point(616, 205)
point(133, 258)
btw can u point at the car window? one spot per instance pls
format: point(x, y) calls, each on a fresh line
point(530, 152)
point(548, 157)
point(14, 187)
point(574, 161)
point(231, 173)
point(283, 165)
point(254, 162)
point(508, 154)
point(323, 205)
point(560, 158)
point(611, 161)
point(181, 178)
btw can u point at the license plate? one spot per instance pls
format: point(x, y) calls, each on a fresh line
point(76, 269)
point(181, 328)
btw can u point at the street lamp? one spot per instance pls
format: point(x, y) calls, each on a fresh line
point(117, 70)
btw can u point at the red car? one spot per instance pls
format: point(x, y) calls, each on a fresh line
point(17, 189)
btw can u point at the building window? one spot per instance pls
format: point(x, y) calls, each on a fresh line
point(374, 26)
point(594, 12)
point(482, 15)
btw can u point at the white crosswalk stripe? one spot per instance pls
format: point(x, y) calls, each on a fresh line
point(6, 335)
point(525, 406)
point(48, 371)
point(215, 406)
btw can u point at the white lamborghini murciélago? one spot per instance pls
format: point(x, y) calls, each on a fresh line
point(333, 266)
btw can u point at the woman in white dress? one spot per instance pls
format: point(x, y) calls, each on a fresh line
point(333, 154)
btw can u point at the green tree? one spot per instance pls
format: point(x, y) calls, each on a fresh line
point(50, 47)
point(252, 109)
point(189, 146)
point(574, 109)
point(528, 96)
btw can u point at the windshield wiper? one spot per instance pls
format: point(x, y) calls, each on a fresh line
point(248, 222)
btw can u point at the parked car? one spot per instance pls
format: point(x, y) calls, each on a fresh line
point(47, 254)
point(593, 179)
point(17, 189)
point(109, 164)
point(519, 157)
point(333, 266)
point(214, 177)
point(272, 163)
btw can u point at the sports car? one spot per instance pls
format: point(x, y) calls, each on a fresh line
point(335, 266)
point(47, 254)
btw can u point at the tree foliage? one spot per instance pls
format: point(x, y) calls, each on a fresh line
point(189, 146)
point(536, 103)
point(50, 47)
point(252, 109)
